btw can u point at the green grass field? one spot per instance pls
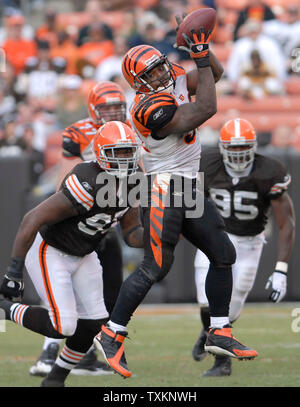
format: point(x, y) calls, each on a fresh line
point(159, 351)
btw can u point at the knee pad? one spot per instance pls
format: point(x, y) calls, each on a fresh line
point(53, 333)
point(225, 255)
point(68, 326)
point(153, 271)
point(244, 279)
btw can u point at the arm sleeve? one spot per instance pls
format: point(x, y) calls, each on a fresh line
point(156, 111)
point(279, 187)
point(75, 188)
point(279, 182)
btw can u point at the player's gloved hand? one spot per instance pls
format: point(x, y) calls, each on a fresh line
point(197, 47)
point(179, 21)
point(12, 286)
point(278, 282)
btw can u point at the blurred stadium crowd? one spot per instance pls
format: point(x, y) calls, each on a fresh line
point(54, 56)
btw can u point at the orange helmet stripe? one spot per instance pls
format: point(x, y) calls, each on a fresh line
point(237, 131)
point(142, 111)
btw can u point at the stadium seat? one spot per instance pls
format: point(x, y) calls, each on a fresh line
point(292, 85)
point(232, 4)
point(222, 52)
point(79, 19)
point(261, 121)
point(146, 4)
point(223, 35)
point(282, 3)
point(270, 104)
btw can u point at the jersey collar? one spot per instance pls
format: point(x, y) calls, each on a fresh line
point(238, 174)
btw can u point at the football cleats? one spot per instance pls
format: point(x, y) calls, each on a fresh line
point(238, 144)
point(116, 149)
point(137, 66)
point(106, 102)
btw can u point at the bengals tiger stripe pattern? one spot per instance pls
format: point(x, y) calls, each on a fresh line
point(146, 109)
point(158, 193)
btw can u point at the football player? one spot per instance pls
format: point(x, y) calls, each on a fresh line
point(56, 242)
point(166, 120)
point(106, 102)
point(244, 185)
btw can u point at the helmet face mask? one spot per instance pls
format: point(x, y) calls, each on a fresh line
point(107, 103)
point(138, 66)
point(162, 81)
point(238, 144)
point(116, 149)
point(106, 112)
point(119, 160)
point(238, 160)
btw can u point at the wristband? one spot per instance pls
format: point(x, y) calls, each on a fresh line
point(15, 269)
point(281, 266)
point(202, 62)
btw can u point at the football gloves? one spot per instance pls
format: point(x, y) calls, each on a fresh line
point(197, 47)
point(278, 282)
point(12, 286)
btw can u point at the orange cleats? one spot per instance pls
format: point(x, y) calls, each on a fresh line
point(221, 342)
point(110, 343)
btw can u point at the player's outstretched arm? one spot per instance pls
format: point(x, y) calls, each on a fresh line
point(189, 116)
point(132, 229)
point(52, 210)
point(192, 76)
point(284, 214)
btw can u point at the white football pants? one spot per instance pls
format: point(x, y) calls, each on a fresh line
point(248, 253)
point(70, 287)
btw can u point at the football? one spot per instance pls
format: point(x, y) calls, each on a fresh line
point(204, 17)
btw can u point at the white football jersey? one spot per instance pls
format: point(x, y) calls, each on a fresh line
point(177, 153)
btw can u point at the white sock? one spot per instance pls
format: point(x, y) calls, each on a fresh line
point(69, 358)
point(116, 327)
point(47, 342)
point(218, 322)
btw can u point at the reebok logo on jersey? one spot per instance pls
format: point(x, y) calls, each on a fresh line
point(158, 114)
point(87, 186)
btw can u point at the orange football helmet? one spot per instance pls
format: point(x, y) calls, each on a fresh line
point(137, 64)
point(116, 149)
point(238, 144)
point(107, 102)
